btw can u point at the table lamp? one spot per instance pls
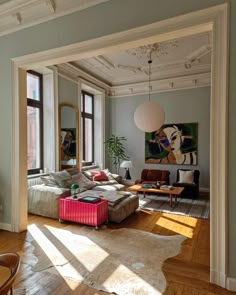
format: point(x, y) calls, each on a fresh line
point(127, 165)
point(74, 190)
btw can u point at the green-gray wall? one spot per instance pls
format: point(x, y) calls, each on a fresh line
point(67, 91)
point(106, 18)
point(182, 106)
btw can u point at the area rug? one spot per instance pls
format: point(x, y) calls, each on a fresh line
point(199, 207)
point(120, 261)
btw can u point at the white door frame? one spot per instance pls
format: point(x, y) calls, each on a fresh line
point(213, 19)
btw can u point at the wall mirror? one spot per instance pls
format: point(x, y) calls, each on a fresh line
point(68, 136)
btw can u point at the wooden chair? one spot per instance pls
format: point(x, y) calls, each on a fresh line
point(12, 262)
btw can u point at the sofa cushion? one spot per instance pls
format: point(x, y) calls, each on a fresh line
point(61, 177)
point(90, 173)
point(99, 176)
point(186, 176)
point(82, 181)
point(113, 187)
point(49, 181)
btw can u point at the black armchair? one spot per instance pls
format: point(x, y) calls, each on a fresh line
point(190, 189)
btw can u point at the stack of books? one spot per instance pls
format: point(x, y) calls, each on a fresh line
point(167, 187)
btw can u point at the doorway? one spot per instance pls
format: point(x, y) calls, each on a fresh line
point(212, 19)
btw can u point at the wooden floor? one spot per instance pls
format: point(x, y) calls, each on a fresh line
point(186, 274)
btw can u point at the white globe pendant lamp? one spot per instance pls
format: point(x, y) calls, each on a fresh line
point(149, 116)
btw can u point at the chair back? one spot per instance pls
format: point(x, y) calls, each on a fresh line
point(11, 261)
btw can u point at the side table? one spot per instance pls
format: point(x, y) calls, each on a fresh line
point(127, 183)
point(87, 213)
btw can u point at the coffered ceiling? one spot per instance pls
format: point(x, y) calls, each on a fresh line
point(177, 58)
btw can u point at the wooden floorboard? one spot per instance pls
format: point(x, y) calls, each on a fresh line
point(186, 274)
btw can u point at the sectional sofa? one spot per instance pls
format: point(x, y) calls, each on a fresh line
point(45, 191)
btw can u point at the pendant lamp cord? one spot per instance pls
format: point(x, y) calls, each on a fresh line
point(150, 73)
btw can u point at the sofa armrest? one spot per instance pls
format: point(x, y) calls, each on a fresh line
point(44, 200)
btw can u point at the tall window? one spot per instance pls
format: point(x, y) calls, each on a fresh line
point(87, 127)
point(34, 122)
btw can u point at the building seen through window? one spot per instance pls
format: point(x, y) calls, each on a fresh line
point(34, 122)
point(87, 127)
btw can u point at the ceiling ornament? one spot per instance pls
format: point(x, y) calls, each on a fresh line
point(157, 49)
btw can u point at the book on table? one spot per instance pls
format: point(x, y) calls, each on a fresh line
point(167, 187)
point(90, 199)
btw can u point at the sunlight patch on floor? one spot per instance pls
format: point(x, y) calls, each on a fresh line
point(138, 281)
point(97, 255)
point(176, 227)
point(189, 220)
point(53, 254)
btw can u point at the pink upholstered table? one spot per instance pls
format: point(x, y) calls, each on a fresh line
point(87, 213)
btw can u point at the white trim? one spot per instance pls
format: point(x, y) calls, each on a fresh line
point(219, 151)
point(214, 18)
point(71, 73)
point(55, 93)
point(20, 14)
point(170, 84)
point(231, 284)
point(6, 226)
point(19, 202)
point(74, 73)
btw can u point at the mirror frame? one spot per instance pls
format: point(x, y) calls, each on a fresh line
point(61, 105)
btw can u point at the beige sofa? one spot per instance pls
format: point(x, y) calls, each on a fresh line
point(44, 200)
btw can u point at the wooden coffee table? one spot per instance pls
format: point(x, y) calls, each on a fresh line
point(175, 192)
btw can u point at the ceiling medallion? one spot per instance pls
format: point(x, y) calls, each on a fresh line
point(157, 49)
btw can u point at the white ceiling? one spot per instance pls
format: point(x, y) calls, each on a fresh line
point(176, 58)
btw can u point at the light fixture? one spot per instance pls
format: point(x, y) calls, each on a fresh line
point(149, 116)
point(127, 165)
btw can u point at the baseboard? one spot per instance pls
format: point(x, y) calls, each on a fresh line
point(5, 226)
point(231, 284)
point(218, 278)
point(204, 189)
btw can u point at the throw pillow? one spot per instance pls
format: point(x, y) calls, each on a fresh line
point(61, 177)
point(49, 181)
point(99, 176)
point(82, 181)
point(186, 176)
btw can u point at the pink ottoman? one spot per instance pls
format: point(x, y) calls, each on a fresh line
point(87, 213)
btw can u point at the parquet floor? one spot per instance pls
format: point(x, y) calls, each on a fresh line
point(186, 274)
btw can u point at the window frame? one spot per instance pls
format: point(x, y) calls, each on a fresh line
point(85, 115)
point(39, 105)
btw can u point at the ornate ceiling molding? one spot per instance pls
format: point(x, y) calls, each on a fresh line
point(71, 72)
point(19, 14)
point(155, 49)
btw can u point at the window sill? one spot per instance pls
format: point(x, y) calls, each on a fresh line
point(37, 175)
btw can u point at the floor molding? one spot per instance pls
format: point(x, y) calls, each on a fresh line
point(231, 284)
point(6, 226)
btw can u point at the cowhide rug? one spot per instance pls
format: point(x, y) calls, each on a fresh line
point(120, 261)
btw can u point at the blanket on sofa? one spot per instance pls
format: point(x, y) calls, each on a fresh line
point(113, 197)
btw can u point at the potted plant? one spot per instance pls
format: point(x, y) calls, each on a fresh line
point(116, 150)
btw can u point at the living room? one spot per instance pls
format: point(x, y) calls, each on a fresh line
point(136, 148)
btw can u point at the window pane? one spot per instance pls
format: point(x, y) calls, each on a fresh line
point(88, 104)
point(33, 91)
point(82, 105)
point(88, 157)
point(33, 137)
